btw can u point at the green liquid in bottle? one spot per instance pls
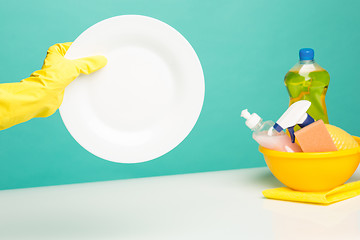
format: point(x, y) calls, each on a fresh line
point(311, 86)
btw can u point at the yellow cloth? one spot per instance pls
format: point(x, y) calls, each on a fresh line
point(42, 93)
point(340, 193)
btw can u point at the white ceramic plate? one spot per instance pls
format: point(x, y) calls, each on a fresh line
point(145, 101)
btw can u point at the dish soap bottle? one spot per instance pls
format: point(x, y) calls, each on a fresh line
point(267, 136)
point(308, 81)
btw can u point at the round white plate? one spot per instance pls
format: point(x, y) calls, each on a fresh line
point(145, 101)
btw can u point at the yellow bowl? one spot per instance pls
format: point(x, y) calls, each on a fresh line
point(313, 172)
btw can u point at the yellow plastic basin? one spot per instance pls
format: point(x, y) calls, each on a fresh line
point(313, 172)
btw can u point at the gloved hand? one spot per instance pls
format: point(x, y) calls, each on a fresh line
point(42, 93)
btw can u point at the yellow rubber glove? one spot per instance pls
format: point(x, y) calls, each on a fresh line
point(42, 93)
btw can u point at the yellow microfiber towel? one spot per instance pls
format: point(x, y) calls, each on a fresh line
point(337, 194)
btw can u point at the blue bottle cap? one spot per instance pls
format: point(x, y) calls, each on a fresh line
point(306, 54)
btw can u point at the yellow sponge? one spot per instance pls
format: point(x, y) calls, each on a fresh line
point(342, 139)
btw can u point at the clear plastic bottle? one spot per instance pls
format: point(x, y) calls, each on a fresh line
point(267, 136)
point(308, 81)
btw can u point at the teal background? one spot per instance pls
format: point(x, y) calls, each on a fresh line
point(245, 47)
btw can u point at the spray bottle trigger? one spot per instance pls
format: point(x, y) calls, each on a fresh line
point(292, 134)
point(307, 121)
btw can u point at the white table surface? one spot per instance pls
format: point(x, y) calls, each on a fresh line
point(215, 205)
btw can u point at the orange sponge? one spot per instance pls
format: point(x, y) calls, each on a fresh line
point(315, 138)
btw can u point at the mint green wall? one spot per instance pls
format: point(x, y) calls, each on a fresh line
point(245, 48)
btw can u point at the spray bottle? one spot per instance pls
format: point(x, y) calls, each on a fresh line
point(294, 115)
point(267, 136)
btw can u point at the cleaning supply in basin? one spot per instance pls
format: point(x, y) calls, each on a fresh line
point(315, 138)
point(308, 81)
point(266, 135)
point(341, 139)
point(294, 115)
point(337, 194)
